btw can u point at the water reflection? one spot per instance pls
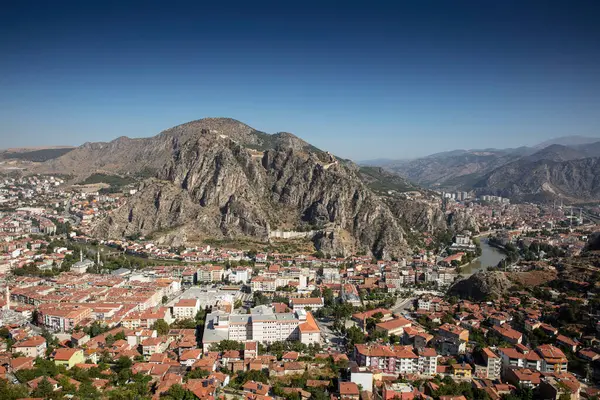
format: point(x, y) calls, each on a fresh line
point(490, 257)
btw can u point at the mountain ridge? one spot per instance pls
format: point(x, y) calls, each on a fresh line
point(220, 178)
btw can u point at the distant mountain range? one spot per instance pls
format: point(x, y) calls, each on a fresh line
point(34, 154)
point(565, 167)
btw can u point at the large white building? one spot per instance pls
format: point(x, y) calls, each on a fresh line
point(186, 309)
point(261, 325)
point(240, 275)
point(264, 284)
point(210, 273)
point(301, 303)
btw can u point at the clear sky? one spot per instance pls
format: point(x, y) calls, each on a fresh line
point(390, 79)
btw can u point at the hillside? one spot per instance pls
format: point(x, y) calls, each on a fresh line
point(454, 169)
point(543, 180)
point(219, 178)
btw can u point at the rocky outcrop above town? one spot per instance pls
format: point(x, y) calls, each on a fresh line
point(219, 178)
point(482, 286)
point(462, 220)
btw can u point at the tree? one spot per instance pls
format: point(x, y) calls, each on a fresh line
point(355, 336)
point(164, 300)
point(44, 389)
point(122, 363)
point(225, 345)
point(177, 392)
point(197, 374)
point(161, 327)
point(110, 340)
point(8, 391)
point(88, 391)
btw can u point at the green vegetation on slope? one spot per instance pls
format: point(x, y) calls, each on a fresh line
point(112, 180)
point(380, 180)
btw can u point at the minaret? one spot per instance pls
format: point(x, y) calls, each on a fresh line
point(571, 219)
point(7, 306)
point(81, 255)
point(98, 254)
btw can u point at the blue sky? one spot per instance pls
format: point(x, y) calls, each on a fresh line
point(363, 81)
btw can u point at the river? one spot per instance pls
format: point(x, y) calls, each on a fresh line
point(490, 257)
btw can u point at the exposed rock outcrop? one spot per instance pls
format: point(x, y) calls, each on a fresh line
point(482, 286)
point(219, 178)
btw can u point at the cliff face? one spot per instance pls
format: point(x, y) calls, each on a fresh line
point(233, 182)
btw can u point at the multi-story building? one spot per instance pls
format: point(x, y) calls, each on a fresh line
point(153, 345)
point(314, 303)
point(525, 358)
point(394, 326)
point(331, 275)
point(452, 339)
point(553, 358)
point(396, 359)
point(240, 275)
point(264, 284)
point(545, 358)
point(508, 334)
point(261, 325)
point(453, 332)
point(492, 363)
point(210, 273)
point(186, 309)
point(65, 318)
point(428, 360)
point(33, 347)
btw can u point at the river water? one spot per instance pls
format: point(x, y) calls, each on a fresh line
point(490, 257)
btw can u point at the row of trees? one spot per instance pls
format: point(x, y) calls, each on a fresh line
point(126, 385)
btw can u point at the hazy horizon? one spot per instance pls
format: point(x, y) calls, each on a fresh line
point(391, 81)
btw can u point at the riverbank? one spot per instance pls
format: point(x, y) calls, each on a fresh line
point(490, 257)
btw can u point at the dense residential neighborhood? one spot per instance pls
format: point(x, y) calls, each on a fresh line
point(130, 318)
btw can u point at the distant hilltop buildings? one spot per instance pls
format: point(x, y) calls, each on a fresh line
point(462, 196)
point(495, 199)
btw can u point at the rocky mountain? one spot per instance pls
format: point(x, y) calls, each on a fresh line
point(454, 169)
point(563, 167)
point(556, 152)
point(219, 178)
point(545, 179)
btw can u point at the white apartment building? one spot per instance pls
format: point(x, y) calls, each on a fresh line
point(240, 275)
point(210, 273)
point(32, 347)
point(261, 325)
point(264, 284)
point(313, 303)
point(186, 309)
